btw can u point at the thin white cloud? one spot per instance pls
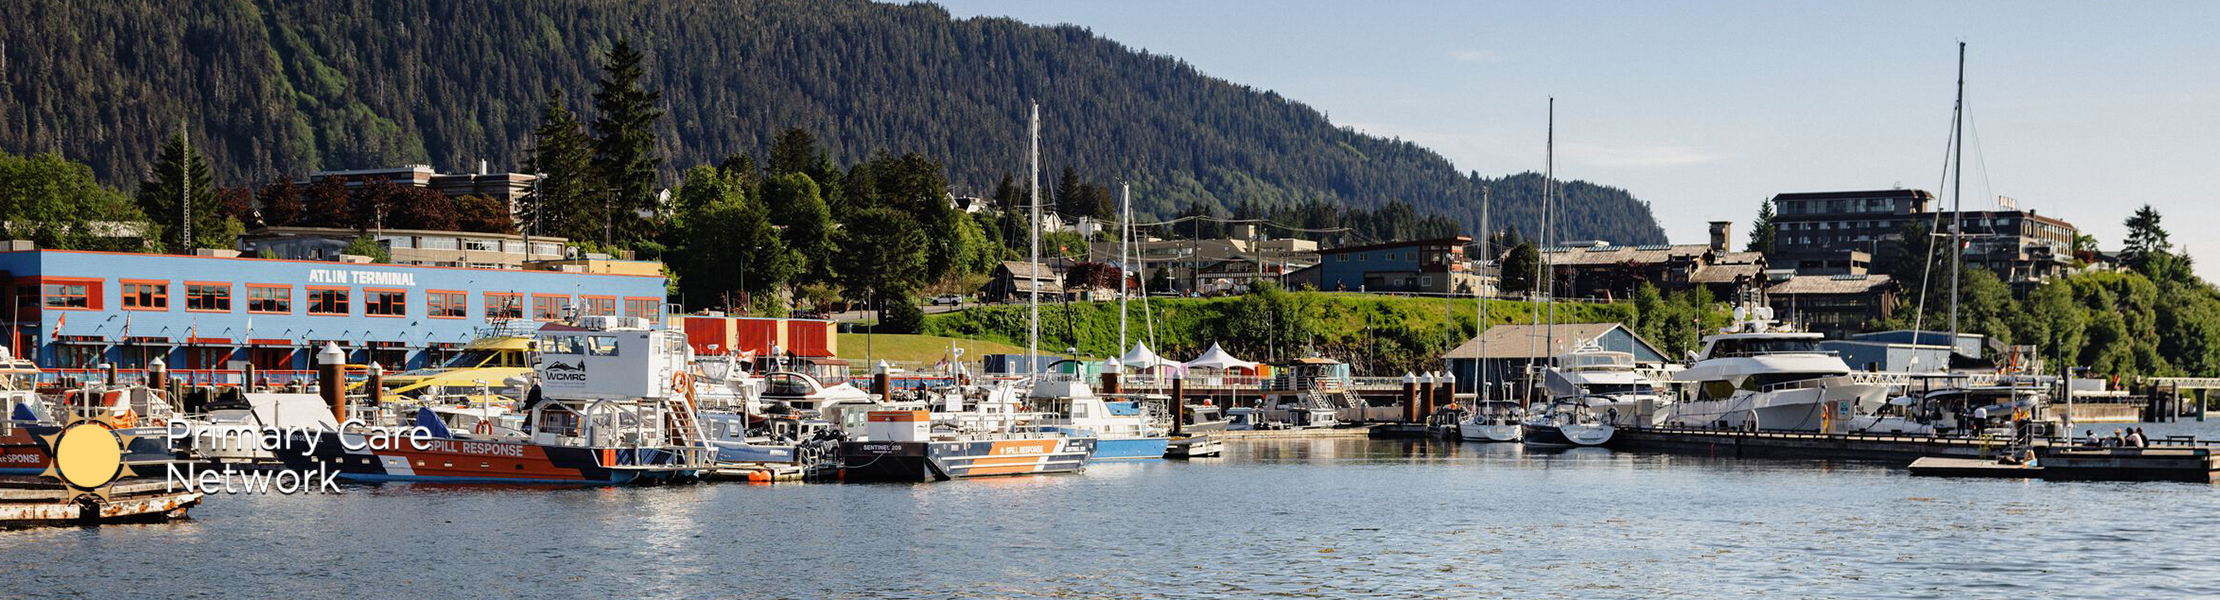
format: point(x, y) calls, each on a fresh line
point(1639, 156)
point(1476, 56)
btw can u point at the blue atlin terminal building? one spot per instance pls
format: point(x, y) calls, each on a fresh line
point(75, 310)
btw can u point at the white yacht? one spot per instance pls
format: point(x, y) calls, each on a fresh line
point(1615, 390)
point(1759, 374)
point(1491, 421)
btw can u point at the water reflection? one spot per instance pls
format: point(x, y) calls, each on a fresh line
point(1309, 518)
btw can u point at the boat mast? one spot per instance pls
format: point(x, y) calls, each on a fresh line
point(1033, 252)
point(1549, 234)
point(1480, 327)
point(1957, 183)
point(1125, 231)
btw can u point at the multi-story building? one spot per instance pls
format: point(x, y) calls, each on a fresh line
point(1814, 232)
point(1601, 270)
point(77, 310)
point(1836, 305)
point(1191, 261)
point(2020, 246)
point(408, 246)
point(1435, 266)
point(505, 187)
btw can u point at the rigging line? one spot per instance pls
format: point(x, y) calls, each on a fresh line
point(1980, 159)
point(1934, 220)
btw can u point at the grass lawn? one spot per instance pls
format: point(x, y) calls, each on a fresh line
point(918, 348)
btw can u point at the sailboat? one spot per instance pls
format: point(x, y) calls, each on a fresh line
point(1569, 420)
point(1491, 419)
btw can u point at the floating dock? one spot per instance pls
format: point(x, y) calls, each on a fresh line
point(29, 503)
point(2177, 460)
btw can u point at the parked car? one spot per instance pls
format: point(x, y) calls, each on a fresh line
point(948, 299)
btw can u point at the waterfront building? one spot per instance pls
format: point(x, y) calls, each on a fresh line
point(78, 310)
point(1511, 349)
point(1834, 305)
point(1434, 266)
point(713, 334)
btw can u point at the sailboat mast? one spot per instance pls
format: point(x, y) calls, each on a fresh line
point(1480, 327)
point(1125, 233)
point(1549, 233)
point(1033, 251)
point(1957, 183)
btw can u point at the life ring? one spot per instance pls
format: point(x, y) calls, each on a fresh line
point(482, 428)
point(681, 383)
point(127, 420)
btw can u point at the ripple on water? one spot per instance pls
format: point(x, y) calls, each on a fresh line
point(1287, 519)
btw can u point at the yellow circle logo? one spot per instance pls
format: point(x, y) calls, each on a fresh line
point(88, 455)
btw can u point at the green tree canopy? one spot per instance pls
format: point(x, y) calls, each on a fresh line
point(57, 204)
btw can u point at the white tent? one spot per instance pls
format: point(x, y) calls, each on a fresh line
point(1142, 359)
point(1217, 358)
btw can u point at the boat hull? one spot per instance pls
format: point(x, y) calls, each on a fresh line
point(1786, 410)
point(1130, 448)
point(1198, 446)
point(1565, 436)
point(941, 461)
point(469, 461)
point(22, 452)
point(1489, 433)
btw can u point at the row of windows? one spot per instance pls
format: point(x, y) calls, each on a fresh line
point(338, 301)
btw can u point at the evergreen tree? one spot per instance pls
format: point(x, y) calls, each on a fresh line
point(794, 151)
point(2145, 237)
point(624, 147)
point(1762, 230)
point(1070, 194)
point(561, 202)
point(181, 174)
point(1521, 269)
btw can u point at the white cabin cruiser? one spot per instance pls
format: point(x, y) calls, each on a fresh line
point(1757, 374)
point(1608, 378)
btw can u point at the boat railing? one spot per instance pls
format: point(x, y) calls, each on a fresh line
point(192, 377)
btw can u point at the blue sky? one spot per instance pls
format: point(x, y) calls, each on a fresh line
point(2081, 111)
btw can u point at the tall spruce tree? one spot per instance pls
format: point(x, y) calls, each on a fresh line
point(624, 147)
point(2145, 238)
point(1762, 229)
point(181, 175)
point(561, 202)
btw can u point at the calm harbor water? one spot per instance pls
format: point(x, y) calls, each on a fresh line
point(1309, 518)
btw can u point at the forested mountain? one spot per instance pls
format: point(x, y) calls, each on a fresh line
point(275, 88)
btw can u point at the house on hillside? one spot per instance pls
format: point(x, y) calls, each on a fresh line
point(1836, 305)
point(1012, 281)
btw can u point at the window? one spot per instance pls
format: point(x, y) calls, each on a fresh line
point(645, 308)
point(504, 306)
point(474, 245)
point(546, 249)
point(212, 297)
point(548, 308)
point(400, 242)
point(601, 345)
point(327, 301)
point(444, 305)
point(385, 303)
point(600, 305)
point(436, 243)
point(512, 247)
point(146, 295)
point(270, 299)
point(66, 295)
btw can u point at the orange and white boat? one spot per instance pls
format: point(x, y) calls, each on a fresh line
point(903, 446)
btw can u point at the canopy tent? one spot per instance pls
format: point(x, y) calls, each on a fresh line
point(1142, 359)
point(1216, 358)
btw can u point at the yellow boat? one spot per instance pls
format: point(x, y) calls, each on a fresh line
point(483, 367)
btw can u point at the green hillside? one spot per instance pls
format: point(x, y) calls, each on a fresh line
point(281, 88)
